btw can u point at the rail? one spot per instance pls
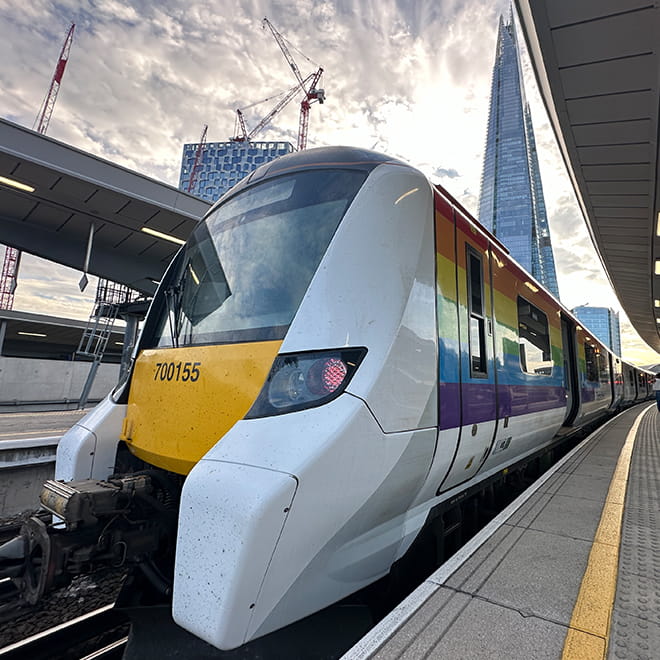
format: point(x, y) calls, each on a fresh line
point(98, 634)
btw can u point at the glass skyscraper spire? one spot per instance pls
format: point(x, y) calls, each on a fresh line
point(511, 204)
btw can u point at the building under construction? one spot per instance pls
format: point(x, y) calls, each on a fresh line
point(223, 164)
point(208, 170)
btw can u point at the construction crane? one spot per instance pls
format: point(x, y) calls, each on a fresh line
point(9, 275)
point(198, 160)
point(308, 85)
point(240, 129)
point(46, 110)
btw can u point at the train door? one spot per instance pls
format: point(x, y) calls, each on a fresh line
point(628, 384)
point(571, 383)
point(478, 407)
point(617, 381)
point(642, 386)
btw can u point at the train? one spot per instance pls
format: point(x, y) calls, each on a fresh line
point(338, 348)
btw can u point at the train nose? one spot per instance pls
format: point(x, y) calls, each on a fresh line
point(244, 510)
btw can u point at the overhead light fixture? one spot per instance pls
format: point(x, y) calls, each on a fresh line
point(31, 334)
point(657, 266)
point(656, 303)
point(16, 184)
point(531, 287)
point(160, 234)
point(657, 226)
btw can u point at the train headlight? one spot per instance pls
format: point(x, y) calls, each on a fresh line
point(305, 380)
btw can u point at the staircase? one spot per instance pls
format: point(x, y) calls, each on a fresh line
point(110, 296)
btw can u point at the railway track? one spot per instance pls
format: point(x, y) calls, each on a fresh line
point(101, 634)
point(10, 527)
point(85, 595)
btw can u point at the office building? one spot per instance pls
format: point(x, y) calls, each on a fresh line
point(223, 164)
point(602, 322)
point(511, 203)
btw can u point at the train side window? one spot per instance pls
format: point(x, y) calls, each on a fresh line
point(533, 339)
point(591, 363)
point(477, 321)
point(603, 367)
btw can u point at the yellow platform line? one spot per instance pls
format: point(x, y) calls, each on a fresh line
point(589, 628)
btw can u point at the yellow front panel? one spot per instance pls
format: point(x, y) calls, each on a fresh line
point(183, 400)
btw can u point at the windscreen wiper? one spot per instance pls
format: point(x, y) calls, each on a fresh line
point(173, 296)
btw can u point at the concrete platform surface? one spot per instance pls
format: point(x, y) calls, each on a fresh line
point(15, 426)
point(569, 570)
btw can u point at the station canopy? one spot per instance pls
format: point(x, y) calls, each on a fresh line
point(27, 335)
point(52, 194)
point(597, 64)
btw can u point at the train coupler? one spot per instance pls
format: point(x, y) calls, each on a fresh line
point(111, 524)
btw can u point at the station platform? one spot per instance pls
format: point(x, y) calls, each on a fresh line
point(25, 425)
point(571, 569)
point(28, 445)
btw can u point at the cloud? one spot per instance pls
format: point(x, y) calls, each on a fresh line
point(48, 288)
point(445, 173)
point(144, 78)
point(408, 78)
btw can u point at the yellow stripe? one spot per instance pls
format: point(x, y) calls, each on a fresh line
point(589, 629)
point(183, 400)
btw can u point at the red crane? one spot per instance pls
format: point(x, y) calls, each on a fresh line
point(8, 277)
point(198, 160)
point(46, 109)
point(312, 92)
point(241, 132)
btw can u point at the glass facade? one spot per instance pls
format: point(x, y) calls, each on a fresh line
point(511, 203)
point(224, 164)
point(602, 322)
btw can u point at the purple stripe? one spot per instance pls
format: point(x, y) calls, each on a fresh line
point(479, 402)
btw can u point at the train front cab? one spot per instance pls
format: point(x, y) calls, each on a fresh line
point(292, 499)
point(290, 512)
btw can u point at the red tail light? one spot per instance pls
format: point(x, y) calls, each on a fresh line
point(326, 375)
point(305, 380)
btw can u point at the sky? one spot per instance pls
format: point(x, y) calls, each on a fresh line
point(410, 78)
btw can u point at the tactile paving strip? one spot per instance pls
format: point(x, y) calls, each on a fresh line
point(635, 624)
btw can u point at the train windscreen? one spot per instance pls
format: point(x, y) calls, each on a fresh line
point(243, 273)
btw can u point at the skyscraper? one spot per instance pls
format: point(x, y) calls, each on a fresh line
point(602, 322)
point(511, 204)
point(224, 164)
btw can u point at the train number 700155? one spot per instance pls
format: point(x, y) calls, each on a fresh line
point(183, 371)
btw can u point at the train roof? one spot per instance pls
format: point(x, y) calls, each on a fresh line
point(321, 157)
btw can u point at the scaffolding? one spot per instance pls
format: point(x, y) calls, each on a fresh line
point(110, 298)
